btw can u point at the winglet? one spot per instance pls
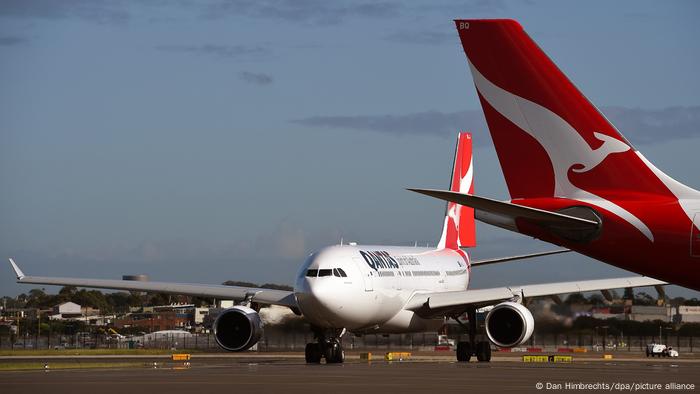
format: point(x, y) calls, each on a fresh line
point(18, 271)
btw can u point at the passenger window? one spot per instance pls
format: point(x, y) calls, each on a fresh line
point(312, 273)
point(325, 272)
point(342, 273)
point(335, 272)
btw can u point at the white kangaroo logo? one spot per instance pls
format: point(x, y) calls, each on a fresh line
point(454, 211)
point(566, 148)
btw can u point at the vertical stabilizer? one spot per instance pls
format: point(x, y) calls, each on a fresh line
point(551, 141)
point(459, 229)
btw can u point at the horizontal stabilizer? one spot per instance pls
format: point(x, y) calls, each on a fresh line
point(487, 209)
point(518, 257)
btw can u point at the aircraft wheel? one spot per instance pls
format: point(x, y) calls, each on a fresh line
point(483, 351)
point(312, 353)
point(334, 353)
point(464, 351)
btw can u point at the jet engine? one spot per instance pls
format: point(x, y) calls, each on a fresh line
point(237, 328)
point(509, 324)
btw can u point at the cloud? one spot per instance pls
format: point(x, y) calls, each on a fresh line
point(256, 78)
point(423, 37)
point(302, 11)
point(473, 8)
point(644, 126)
point(222, 51)
point(640, 126)
point(8, 41)
point(96, 11)
point(285, 239)
point(434, 123)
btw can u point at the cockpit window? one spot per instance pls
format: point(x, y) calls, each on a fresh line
point(339, 272)
point(325, 272)
point(312, 273)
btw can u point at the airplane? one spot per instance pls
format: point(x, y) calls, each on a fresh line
point(381, 289)
point(573, 178)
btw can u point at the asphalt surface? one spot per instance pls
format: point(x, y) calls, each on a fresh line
point(271, 374)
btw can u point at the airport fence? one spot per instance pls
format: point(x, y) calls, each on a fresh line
point(278, 340)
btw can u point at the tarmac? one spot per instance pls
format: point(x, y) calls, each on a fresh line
point(287, 373)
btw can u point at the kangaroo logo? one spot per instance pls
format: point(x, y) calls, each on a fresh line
point(565, 147)
point(450, 233)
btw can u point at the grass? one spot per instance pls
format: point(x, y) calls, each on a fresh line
point(24, 366)
point(94, 352)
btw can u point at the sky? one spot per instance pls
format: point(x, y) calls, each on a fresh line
point(204, 141)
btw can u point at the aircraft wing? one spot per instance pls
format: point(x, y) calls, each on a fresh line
point(259, 295)
point(434, 303)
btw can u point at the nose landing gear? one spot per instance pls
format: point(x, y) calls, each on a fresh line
point(329, 346)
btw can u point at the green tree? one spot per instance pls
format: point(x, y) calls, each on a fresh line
point(36, 298)
point(643, 298)
point(575, 298)
point(119, 302)
point(596, 299)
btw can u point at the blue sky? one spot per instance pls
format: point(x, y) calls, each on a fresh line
point(206, 141)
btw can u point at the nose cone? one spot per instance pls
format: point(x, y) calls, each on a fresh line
point(321, 300)
point(324, 300)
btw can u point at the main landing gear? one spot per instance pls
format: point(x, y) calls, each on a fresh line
point(465, 350)
point(329, 346)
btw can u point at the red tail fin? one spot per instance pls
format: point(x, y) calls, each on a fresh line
point(549, 138)
point(459, 229)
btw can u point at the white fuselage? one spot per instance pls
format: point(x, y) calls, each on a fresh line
point(379, 282)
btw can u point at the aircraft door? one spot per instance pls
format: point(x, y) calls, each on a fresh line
point(695, 236)
point(366, 272)
point(443, 279)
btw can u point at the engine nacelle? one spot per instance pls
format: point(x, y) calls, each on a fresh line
point(237, 328)
point(509, 324)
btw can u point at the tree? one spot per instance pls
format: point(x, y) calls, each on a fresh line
point(158, 299)
point(36, 298)
point(596, 299)
point(643, 298)
point(239, 283)
point(91, 298)
point(575, 298)
point(277, 287)
point(12, 303)
point(119, 302)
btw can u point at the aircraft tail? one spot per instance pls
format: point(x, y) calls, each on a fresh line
point(459, 229)
point(550, 140)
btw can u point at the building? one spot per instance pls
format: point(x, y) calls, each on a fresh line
point(609, 312)
point(165, 317)
point(689, 314)
point(66, 310)
point(650, 313)
point(72, 311)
